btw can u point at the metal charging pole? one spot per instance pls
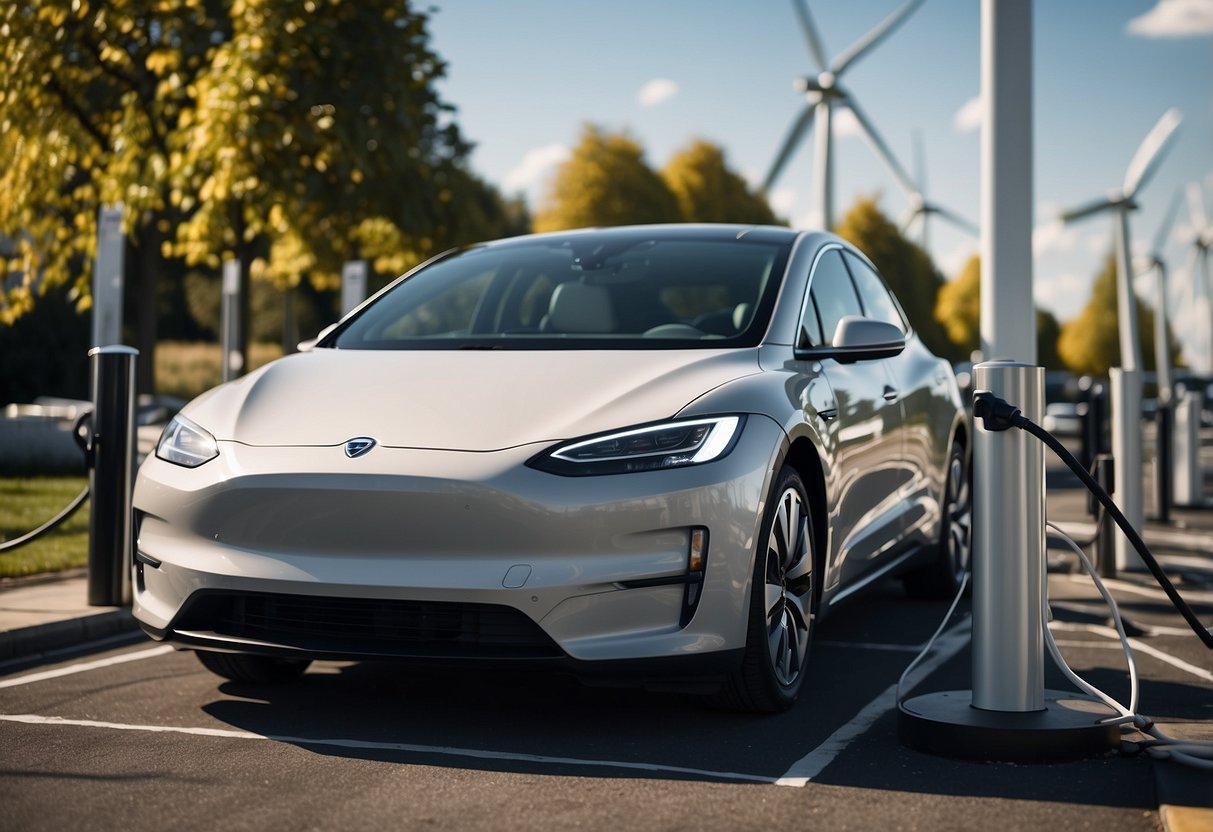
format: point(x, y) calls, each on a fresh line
point(1008, 715)
point(1189, 477)
point(233, 358)
point(1126, 451)
point(353, 285)
point(1009, 547)
point(112, 452)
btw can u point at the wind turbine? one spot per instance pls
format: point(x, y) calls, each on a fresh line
point(1121, 201)
point(822, 94)
point(1126, 384)
point(921, 208)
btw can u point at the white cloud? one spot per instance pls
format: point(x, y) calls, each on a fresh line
point(1064, 293)
point(783, 201)
point(1053, 236)
point(968, 117)
point(1174, 19)
point(845, 124)
point(656, 91)
point(534, 169)
point(1099, 245)
point(953, 260)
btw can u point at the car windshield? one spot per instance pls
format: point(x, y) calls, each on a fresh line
point(611, 289)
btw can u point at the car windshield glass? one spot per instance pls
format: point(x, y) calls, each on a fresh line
point(600, 290)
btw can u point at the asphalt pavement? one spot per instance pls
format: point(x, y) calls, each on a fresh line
point(101, 728)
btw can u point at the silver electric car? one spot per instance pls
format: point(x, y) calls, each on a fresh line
point(655, 453)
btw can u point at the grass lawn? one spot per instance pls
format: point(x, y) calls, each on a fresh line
point(28, 502)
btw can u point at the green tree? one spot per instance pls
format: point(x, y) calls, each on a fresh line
point(907, 268)
point(292, 135)
point(606, 181)
point(709, 191)
point(1090, 343)
point(958, 310)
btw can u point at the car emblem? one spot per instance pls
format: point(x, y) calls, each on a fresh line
point(358, 446)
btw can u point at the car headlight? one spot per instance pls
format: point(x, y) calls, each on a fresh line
point(184, 443)
point(673, 444)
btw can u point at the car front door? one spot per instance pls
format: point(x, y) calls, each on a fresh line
point(866, 473)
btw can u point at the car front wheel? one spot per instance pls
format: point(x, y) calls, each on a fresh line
point(782, 605)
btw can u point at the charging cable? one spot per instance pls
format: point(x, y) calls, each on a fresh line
point(997, 415)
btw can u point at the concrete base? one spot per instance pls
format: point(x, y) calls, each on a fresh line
point(947, 724)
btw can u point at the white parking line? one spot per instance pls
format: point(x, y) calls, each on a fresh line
point(1108, 632)
point(85, 666)
point(812, 764)
point(34, 719)
point(798, 775)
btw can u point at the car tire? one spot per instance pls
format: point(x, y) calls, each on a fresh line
point(242, 667)
point(782, 607)
point(941, 578)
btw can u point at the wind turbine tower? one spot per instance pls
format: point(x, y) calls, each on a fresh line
point(1126, 384)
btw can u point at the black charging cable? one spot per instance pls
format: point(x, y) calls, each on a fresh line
point(998, 415)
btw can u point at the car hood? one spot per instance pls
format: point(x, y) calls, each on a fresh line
point(460, 400)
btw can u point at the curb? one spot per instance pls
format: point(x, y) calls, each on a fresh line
point(57, 635)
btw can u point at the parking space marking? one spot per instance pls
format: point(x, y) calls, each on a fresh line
point(1153, 593)
point(1198, 672)
point(85, 666)
point(508, 756)
point(813, 763)
point(868, 645)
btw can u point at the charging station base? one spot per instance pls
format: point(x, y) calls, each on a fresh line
point(947, 724)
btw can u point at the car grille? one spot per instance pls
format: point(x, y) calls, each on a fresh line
point(368, 626)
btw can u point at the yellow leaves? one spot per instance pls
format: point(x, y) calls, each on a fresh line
point(162, 61)
point(54, 15)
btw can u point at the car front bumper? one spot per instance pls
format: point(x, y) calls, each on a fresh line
point(449, 556)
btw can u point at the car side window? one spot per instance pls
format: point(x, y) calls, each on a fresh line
point(832, 294)
point(877, 300)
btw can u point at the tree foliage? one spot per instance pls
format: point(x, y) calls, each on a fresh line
point(707, 190)
point(1090, 343)
point(907, 268)
point(958, 310)
point(605, 182)
point(293, 134)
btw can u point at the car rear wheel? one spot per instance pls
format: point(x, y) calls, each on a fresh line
point(953, 559)
point(782, 606)
point(242, 667)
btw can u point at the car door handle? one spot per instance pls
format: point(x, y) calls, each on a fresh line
point(890, 395)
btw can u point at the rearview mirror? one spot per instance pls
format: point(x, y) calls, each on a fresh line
point(859, 339)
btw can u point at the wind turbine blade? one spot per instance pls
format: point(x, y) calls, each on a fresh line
point(881, 149)
point(907, 221)
point(1164, 230)
point(1086, 210)
point(958, 221)
point(860, 47)
point(1146, 159)
point(1196, 209)
point(811, 37)
point(799, 127)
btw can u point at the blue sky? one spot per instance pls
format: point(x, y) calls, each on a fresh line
point(525, 75)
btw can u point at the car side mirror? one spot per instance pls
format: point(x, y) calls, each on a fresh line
point(856, 339)
point(306, 346)
point(859, 339)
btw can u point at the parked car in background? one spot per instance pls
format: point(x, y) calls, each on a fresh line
point(658, 453)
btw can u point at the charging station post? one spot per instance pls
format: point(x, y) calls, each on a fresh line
point(1008, 715)
point(111, 451)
